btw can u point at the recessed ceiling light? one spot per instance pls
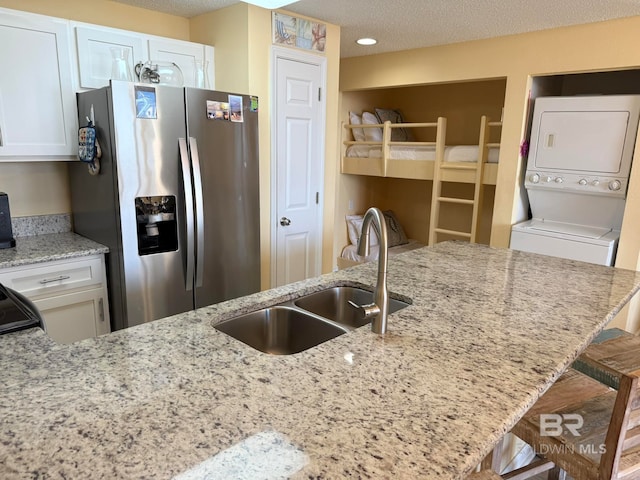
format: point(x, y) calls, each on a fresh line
point(366, 41)
point(270, 4)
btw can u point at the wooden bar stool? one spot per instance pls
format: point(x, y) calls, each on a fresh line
point(492, 463)
point(586, 428)
point(484, 475)
point(611, 354)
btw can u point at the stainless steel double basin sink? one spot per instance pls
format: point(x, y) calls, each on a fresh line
point(300, 324)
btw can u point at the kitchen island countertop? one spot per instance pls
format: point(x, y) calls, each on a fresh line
point(487, 332)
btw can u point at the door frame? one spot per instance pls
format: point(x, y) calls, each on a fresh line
point(321, 62)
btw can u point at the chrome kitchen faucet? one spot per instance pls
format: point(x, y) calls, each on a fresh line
point(379, 309)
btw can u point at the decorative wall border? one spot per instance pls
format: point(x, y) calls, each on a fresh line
point(298, 32)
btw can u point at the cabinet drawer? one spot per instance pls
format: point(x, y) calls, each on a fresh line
point(53, 277)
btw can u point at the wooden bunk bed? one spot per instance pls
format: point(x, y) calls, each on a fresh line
point(419, 160)
point(416, 159)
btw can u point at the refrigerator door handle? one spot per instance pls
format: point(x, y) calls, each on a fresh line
point(188, 202)
point(197, 188)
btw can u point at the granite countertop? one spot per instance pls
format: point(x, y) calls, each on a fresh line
point(47, 248)
point(488, 331)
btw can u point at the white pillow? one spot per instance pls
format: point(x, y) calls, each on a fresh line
point(358, 133)
point(371, 134)
point(354, 228)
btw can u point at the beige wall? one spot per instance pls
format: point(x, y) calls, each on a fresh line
point(228, 30)
point(586, 48)
point(110, 14)
point(332, 147)
point(36, 188)
point(258, 79)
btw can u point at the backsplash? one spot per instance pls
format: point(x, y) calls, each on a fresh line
point(40, 225)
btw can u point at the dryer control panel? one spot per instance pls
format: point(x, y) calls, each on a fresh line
point(577, 183)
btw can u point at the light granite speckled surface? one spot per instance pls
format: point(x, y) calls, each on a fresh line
point(40, 225)
point(488, 331)
point(50, 247)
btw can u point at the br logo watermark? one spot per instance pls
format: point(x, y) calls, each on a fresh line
point(554, 425)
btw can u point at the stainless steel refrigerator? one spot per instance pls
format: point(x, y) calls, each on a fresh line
point(175, 198)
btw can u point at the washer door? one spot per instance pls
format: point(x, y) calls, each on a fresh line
point(528, 237)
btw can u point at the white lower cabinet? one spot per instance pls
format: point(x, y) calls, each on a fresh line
point(75, 316)
point(71, 295)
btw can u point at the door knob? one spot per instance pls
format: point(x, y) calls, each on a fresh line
point(285, 222)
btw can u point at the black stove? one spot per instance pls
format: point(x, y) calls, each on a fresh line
point(17, 312)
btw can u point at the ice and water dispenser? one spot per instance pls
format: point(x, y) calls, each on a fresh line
point(156, 224)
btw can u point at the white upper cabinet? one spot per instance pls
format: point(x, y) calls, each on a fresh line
point(183, 54)
point(37, 98)
point(95, 46)
point(45, 60)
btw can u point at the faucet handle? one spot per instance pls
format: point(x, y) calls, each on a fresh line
point(369, 310)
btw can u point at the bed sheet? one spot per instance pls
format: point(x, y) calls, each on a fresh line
point(454, 153)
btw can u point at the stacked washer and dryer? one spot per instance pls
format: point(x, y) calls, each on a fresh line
point(577, 176)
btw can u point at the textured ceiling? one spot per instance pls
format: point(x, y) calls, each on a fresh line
point(405, 24)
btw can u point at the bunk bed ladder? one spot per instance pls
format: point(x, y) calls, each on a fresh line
point(441, 166)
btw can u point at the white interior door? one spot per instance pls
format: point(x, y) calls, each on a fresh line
point(298, 166)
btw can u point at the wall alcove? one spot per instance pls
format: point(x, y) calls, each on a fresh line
point(462, 104)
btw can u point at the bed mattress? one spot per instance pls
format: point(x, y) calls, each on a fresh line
point(455, 153)
point(350, 252)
